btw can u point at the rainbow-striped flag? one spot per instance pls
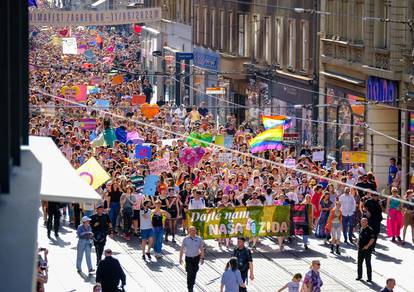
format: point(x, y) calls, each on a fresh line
point(267, 140)
point(412, 122)
point(274, 121)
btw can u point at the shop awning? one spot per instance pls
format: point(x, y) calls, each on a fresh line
point(60, 182)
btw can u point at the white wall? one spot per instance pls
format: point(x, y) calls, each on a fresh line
point(385, 121)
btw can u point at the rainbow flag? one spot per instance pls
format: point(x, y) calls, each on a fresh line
point(267, 140)
point(274, 121)
point(412, 122)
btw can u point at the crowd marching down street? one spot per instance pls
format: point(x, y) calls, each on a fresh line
point(165, 171)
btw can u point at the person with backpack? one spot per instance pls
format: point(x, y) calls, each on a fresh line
point(244, 261)
point(101, 227)
point(231, 281)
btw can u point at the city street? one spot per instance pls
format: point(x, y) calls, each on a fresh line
point(272, 268)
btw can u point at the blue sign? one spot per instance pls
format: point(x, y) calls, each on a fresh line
point(381, 90)
point(142, 152)
point(102, 104)
point(150, 185)
point(206, 59)
point(184, 56)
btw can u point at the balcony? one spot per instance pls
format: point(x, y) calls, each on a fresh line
point(382, 59)
point(343, 51)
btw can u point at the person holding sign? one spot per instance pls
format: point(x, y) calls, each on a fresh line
point(193, 248)
point(158, 218)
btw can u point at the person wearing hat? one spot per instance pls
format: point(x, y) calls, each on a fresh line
point(101, 227)
point(84, 246)
point(244, 260)
point(110, 273)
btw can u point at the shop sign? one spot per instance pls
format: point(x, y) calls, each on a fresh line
point(215, 90)
point(206, 59)
point(291, 137)
point(381, 90)
point(184, 56)
point(354, 157)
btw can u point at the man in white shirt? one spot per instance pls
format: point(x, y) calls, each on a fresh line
point(348, 207)
point(198, 202)
point(181, 112)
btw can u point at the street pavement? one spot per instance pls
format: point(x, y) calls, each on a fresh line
point(272, 268)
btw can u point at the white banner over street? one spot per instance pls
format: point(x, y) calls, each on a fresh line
point(38, 17)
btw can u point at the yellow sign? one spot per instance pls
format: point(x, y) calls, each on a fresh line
point(354, 157)
point(93, 173)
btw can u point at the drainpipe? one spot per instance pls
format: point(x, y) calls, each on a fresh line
point(315, 69)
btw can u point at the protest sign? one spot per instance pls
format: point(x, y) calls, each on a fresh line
point(226, 157)
point(150, 185)
point(138, 99)
point(318, 156)
point(241, 221)
point(168, 142)
point(69, 46)
point(117, 79)
point(76, 92)
point(228, 141)
point(142, 152)
point(159, 166)
point(102, 104)
point(290, 162)
point(219, 140)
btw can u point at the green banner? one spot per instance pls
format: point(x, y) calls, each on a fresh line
point(241, 221)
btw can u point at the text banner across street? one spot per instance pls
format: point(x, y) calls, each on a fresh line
point(250, 221)
point(39, 17)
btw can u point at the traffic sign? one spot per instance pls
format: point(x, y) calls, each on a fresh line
point(184, 56)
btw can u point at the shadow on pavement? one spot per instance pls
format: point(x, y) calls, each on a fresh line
point(387, 258)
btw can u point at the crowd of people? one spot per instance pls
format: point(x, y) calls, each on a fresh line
point(340, 208)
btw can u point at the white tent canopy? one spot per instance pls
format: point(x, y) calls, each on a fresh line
point(60, 182)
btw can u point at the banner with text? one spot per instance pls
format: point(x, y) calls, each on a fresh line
point(39, 17)
point(250, 221)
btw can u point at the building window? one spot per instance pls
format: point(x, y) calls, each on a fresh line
point(256, 35)
point(279, 40)
point(330, 18)
point(222, 25)
point(344, 20)
point(305, 46)
point(205, 19)
point(292, 43)
point(359, 22)
point(213, 28)
point(198, 26)
point(267, 41)
point(231, 28)
point(242, 34)
point(381, 36)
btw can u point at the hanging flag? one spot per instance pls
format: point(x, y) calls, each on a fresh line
point(69, 46)
point(274, 121)
point(93, 173)
point(142, 152)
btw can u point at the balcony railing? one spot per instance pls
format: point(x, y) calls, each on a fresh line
point(343, 50)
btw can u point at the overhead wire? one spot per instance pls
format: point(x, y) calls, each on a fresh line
point(184, 136)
